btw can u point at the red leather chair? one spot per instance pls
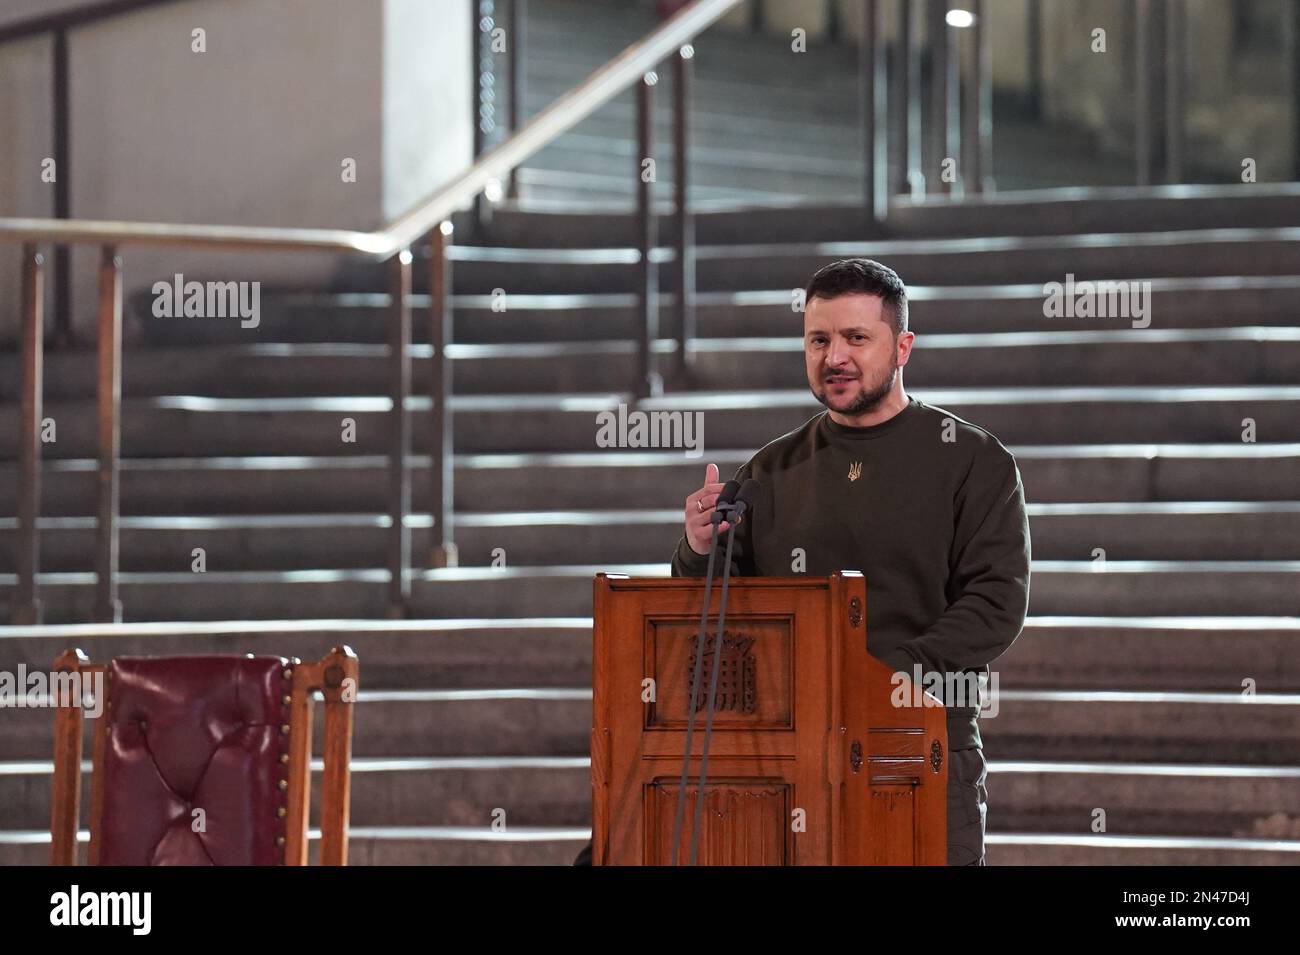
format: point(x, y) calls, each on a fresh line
point(204, 760)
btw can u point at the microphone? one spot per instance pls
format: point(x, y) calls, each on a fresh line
point(744, 498)
point(724, 502)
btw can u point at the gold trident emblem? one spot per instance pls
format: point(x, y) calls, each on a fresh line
point(855, 470)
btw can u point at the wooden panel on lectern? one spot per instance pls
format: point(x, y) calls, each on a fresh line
point(749, 821)
point(754, 685)
point(809, 763)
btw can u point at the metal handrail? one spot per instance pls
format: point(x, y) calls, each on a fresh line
point(249, 238)
point(39, 23)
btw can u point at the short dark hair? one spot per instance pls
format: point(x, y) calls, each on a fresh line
point(862, 277)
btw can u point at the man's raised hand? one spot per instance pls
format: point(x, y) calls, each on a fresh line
point(699, 512)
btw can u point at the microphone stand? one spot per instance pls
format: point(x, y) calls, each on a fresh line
point(724, 505)
point(735, 513)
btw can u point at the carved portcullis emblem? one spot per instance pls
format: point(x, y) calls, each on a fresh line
point(855, 470)
point(736, 683)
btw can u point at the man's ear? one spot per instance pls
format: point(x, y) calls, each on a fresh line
point(904, 346)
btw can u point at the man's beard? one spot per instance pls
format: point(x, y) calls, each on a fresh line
point(868, 398)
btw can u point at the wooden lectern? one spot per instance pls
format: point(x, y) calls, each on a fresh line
point(810, 763)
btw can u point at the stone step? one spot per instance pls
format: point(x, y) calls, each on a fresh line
point(607, 171)
point(550, 190)
point(501, 653)
point(726, 65)
point(1153, 653)
point(559, 846)
point(1078, 725)
point(947, 262)
point(419, 791)
point(720, 90)
point(471, 722)
point(1154, 531)
point(361, 317)
point(473, 847)
point(806, 155)
point(729, 43)
point(818, 162)
point(802, 160)
point(1059, 588)
point(1142, 799)
point(1040, 849)
point(186, 425)
point(381, 845)
point(466, 845)
point(1116, 653)
point(794, 120)
point(1138, 799)
point(1253, 355)
point(1139, 726)
point(1040, 212)
point(1123, 474)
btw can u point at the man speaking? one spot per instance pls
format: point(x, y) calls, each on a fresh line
point(929, 508)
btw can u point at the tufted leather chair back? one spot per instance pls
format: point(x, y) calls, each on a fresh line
point(195, 761)
point(205, 760)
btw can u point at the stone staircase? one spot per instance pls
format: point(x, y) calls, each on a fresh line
point(767, 125)
point(1123, 694)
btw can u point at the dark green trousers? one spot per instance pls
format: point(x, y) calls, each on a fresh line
point(967, 806)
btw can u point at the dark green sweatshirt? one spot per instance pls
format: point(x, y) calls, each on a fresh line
point(934, 519)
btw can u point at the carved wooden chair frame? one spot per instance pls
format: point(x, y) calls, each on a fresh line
point(334, 676)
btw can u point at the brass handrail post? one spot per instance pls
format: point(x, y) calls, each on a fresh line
point(648, 383)
point(875, 139)
point(399, 433)
point(442, 496)
point(108, 608)
point(26, 608)
point(684, 223)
